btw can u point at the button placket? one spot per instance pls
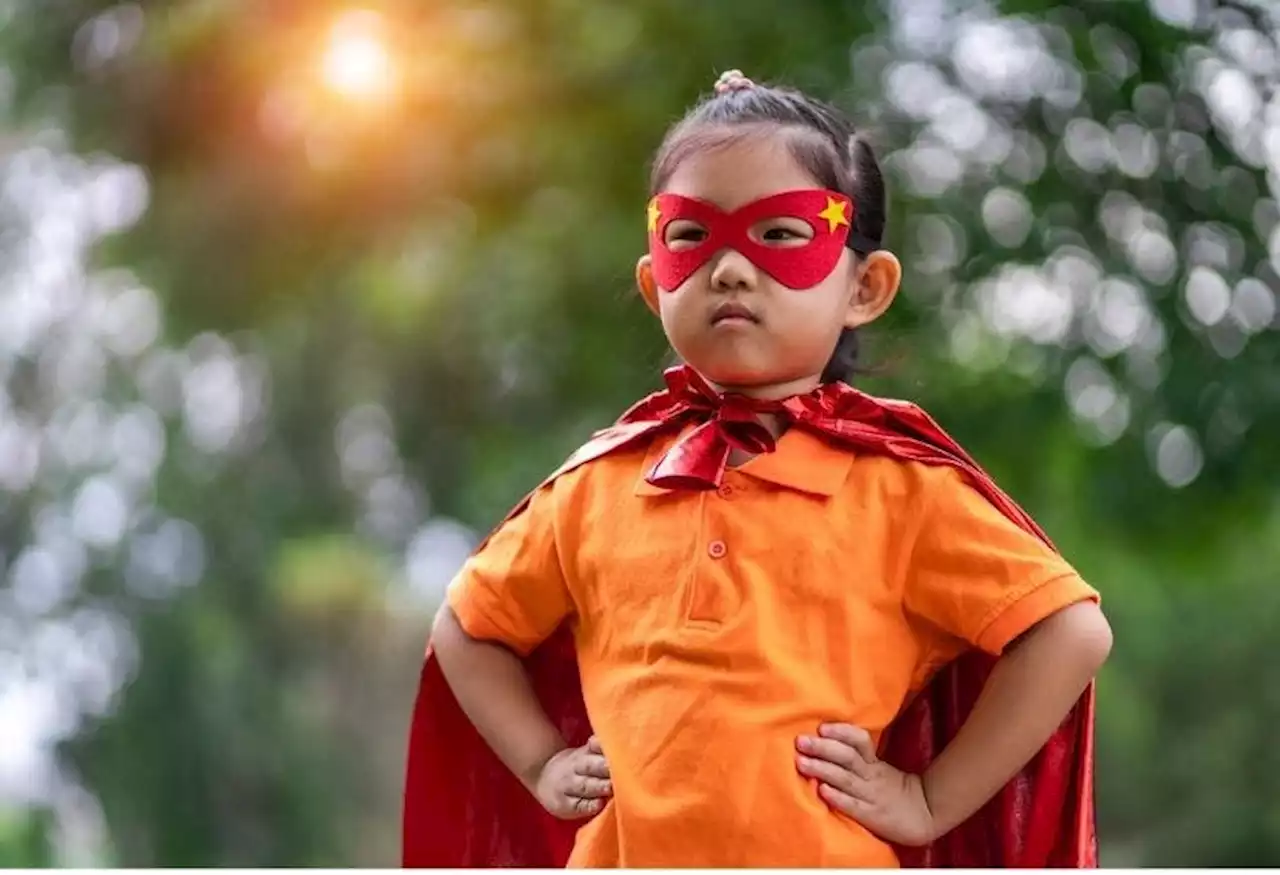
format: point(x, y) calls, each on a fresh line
point(712, 592)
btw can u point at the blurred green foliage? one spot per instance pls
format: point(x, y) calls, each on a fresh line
point(379, 317)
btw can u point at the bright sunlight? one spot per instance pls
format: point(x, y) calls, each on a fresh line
point(357, 62)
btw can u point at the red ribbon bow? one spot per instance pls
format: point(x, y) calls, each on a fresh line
point(729, 421)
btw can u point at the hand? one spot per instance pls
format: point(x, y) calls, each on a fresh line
point(854, 782)
point(575, 783)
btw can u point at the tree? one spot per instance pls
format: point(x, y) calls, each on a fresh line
point(337, 302)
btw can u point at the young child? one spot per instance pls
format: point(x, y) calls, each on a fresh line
point(784, 599)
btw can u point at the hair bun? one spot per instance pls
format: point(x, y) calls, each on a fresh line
point(733, 80)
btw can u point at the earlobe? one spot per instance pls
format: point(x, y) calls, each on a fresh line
point(647, 285)
point(878, 279)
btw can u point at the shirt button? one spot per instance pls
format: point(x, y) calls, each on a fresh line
point(717, 549)
point(725, 490)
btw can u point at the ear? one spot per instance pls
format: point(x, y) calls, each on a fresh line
point(647, 285)
point(876, 280)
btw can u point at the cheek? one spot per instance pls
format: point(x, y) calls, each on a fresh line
point(672, 308)
point(843, 278)
point(812, 320)
point(834, 294)
point(824, 303)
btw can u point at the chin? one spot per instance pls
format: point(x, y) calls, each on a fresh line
point(743, 363)
point(734, 373)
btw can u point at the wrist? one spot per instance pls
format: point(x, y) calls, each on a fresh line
point(530, 774)
point(938, 822)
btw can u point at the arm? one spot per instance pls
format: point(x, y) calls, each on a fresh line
point(493, 689)
point(974, 578)
point(509, 598)
point(1029, 692)
point(1031, 689)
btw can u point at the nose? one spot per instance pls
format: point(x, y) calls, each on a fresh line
point(732, 271)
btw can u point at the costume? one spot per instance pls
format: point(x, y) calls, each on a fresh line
point(463, 808)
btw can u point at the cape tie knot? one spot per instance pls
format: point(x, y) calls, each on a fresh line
point(698, 460)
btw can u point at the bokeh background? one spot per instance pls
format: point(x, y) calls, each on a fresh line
point(298, 297)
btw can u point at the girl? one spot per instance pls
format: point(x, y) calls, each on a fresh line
point(809, 631)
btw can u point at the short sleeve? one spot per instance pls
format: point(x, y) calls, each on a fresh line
point(513, 589)
point(976, 575)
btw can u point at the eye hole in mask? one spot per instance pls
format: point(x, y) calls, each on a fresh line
point(681, 235)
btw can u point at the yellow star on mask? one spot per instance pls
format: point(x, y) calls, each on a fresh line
point(834, 214)
point(654, 215)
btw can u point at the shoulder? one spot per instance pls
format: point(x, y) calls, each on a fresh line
point(903, 482)
point(933, 499)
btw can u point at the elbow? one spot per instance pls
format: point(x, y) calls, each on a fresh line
point(445, 620)
point(447, 632)
point(1078, 636)
point(1088, 635)
point(1102, 641)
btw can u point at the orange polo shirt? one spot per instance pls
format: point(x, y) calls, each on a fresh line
point(712, 628)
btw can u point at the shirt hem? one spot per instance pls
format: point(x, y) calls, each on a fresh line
point(1027, 607)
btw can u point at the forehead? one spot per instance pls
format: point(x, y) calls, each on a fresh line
point(739, 170)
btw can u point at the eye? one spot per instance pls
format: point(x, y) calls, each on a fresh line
point(684, 234)
point(784, 233)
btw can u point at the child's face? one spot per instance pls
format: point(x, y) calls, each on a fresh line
point(782, 337)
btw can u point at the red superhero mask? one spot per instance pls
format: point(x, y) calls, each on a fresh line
point(796, 266)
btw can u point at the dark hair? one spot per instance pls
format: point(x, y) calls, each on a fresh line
point(825, 143)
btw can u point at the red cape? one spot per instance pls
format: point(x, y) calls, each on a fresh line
point(463, 808)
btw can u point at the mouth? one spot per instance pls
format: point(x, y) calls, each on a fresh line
point(732, 312)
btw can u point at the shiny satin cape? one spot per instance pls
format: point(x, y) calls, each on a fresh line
point(463, 808)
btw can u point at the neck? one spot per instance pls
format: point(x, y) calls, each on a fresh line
point(776, 426)
point(769, 391)
point(766, 392)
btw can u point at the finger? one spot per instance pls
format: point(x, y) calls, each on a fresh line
point(844, 803)
point(593, 745)
point(583, 787)
point(837, 752)
point(584, 807)
point(830, 773)
point(592, 765)
point(854, 736)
